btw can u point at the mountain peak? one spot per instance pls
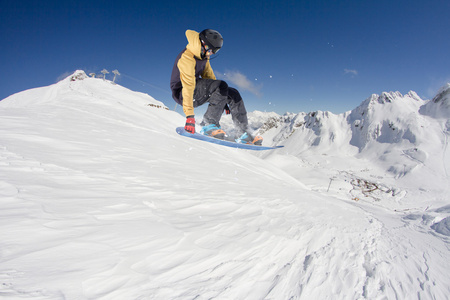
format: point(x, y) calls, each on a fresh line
point(390, 97)
point(386, 97)
point(77, 75)
point(443, 95)
point(439, 106)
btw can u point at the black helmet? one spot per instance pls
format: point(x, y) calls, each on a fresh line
point(212, 38)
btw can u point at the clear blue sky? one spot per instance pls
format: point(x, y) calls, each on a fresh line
point(293, 55)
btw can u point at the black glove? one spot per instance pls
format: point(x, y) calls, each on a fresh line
point(190, 124)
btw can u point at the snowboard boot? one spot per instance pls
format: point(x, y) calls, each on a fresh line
point(248, 139)
point(213, 131)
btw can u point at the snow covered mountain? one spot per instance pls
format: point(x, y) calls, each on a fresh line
point(439, 107)
point(400, 132)
point(101, 199)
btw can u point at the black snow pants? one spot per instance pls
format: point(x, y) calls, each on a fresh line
point(218, 94)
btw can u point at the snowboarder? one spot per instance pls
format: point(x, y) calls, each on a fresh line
point(193, 83)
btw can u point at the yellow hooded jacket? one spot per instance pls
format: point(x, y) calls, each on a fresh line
point(187, 69)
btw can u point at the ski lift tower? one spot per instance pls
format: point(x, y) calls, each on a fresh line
point(115, 74)
point(104, 71)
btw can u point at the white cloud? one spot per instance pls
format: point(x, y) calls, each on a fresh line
point(351, 72)
point(240, 81)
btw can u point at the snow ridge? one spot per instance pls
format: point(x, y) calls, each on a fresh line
point(439, 106)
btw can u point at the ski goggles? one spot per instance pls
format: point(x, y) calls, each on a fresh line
point(209, 48)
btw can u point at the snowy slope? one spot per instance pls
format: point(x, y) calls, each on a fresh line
point(101, 199)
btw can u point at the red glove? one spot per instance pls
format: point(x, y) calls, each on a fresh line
point(190, 124)
point(227, 109)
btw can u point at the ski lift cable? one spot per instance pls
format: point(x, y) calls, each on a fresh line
point(146, 83)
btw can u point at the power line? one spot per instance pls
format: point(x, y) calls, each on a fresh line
point(146, 83)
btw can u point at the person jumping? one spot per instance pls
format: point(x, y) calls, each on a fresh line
point(193, 83)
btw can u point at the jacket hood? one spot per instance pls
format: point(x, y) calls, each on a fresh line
point(194, 44)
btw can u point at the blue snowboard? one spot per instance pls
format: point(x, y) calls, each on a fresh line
point(198, 136)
